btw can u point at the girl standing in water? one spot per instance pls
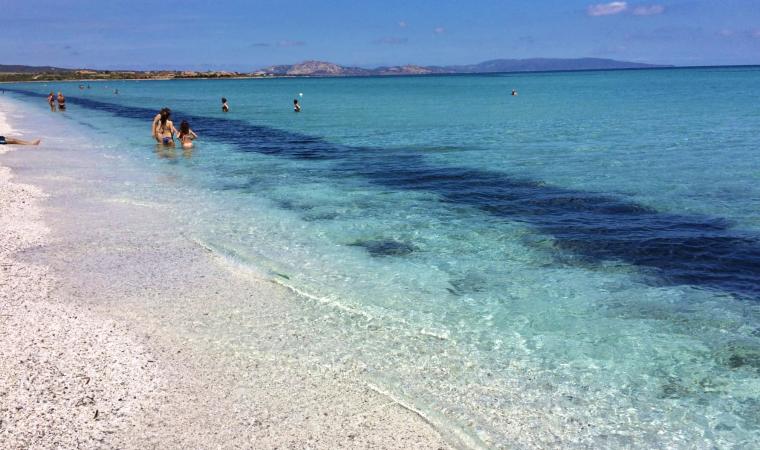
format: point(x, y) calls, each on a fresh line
point(186, 135)
point(61, 102)
point(51, 101)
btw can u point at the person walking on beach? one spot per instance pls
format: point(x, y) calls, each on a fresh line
point(225, 106)
point(186, 135)
point(12, 141)
point(156, 120)
point(61, 102)
point(165, 130)
point(51, 101)
point(296, 106)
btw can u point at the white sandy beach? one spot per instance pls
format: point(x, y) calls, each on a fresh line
point(84, 363)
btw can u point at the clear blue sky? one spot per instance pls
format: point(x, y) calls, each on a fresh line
point(243, 35)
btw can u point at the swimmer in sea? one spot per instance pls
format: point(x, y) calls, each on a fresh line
point(296, 106)
point(61, 102)
point(186, 135)
point(11, 141)
point(225, 106)
point(514, 92)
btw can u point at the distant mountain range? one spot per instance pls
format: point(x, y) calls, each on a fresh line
point(321, 68)
point(31, 69)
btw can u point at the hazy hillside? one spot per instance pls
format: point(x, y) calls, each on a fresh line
point(31, 69)
point(545, 64)
point(322, 68)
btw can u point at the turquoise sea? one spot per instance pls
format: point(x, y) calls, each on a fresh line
point(583, 259)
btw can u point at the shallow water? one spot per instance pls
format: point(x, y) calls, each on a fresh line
point(576, 266)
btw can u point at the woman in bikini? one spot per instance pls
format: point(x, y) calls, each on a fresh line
point(156, 119)
point(186, 135)
point(51, 101)
point(165, 130)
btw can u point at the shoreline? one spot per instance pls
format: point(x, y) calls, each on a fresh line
point(87, 361)
point(62, 367)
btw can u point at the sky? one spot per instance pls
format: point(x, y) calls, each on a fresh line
point(247, 35)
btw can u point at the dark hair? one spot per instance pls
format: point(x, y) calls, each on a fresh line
point(295, 101)
point(224, 100)
point(184, 128)
point(165, 113)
